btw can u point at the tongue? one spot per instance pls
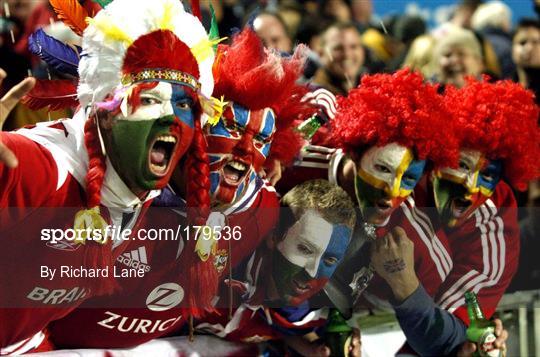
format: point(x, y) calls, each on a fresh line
point(157, 156)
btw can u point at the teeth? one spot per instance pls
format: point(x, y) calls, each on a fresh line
point(167, 138)
point(158, 167)
point(237, 165)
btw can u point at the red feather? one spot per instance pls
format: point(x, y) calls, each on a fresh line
point(56, 95)
point(196, 9)
point(71, 13)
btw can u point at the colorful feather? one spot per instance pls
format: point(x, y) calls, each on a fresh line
point(54, 95)
point(102, 3)
point(110, 30)
point(62, 57)
point(71, 13)
point(214, 31)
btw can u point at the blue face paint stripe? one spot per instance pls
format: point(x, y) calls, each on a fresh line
point(214, 182)
point(414, 171)
point(265, 150)
point(241, 115)
point(268, 124)
point(339, 241)
point(179, 95)
point(493, 169)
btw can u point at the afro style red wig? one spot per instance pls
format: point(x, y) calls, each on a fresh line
point(500, 120)
point(258, 78)
point(398, 107)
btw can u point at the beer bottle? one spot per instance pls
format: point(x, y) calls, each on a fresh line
point(481, 331)
point(338, 335)
point(309, 127)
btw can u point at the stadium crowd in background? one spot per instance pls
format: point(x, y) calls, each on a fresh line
point(344, 42)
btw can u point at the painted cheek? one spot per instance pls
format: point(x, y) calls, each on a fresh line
point(337, 246)
point(416, 170)
point(494, 171)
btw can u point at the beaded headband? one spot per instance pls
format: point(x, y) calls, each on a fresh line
point(161, 74)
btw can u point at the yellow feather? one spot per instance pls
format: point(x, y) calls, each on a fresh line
point(205, 48)
point(213, 107)
point(110, 30)
point(166, 21)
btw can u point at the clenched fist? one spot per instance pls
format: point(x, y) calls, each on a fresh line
point(392, 257)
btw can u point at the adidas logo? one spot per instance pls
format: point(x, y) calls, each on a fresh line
point(135, 259)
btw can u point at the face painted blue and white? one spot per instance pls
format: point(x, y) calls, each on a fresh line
point(238, 146)
point(310, 253)
point(458, 192)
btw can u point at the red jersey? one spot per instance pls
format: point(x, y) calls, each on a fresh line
point(485, 250)
point(44, 280)
point(151, 306)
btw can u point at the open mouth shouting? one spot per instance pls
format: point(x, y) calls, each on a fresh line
point(383, 205)
point(459, 206)
point(234, 172)
point(161, 152)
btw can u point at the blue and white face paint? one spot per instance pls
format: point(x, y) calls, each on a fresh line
point(308, 255)
point(238, 146)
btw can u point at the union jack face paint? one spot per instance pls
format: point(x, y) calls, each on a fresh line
point(238, 146)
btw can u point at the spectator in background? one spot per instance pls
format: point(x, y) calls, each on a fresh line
point(463, 13)
point(361, 11)
point(337, 10)
point(406, 29)
point(456, 55)
point(526, 54)
point(420, 55)
point(493, 22)
point(342, 58)
point(273, 31)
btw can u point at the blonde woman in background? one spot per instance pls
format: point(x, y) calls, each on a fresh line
point(457, 54)
point(420, 55)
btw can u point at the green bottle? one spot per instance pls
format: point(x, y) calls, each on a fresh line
point(338, 335)
point(309, 127)
point(481, 331)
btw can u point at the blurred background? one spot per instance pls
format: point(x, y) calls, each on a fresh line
point(443, 39)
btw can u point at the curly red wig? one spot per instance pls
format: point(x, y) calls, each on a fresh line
point(398, 107)
point(500, 120)
point(257, 78)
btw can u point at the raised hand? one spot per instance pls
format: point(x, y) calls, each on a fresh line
point(392, 257)
point(7, 103)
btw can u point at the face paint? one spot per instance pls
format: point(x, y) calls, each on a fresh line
point(458, 192)
point(147, 144)
point(386, 177)
point(307, 257)
point(238, 146)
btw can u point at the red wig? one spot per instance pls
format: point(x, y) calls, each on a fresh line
point(500, 120)
point(401, 108)
point(257, 78)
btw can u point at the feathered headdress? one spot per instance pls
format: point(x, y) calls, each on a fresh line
point(501, 121)
point(257, 78)
point(127, 42)
point(400, 108)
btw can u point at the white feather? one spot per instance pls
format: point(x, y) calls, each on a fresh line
point(101, 63)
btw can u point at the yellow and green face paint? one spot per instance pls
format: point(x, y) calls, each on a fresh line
point(460, 191)
point(386, 176)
